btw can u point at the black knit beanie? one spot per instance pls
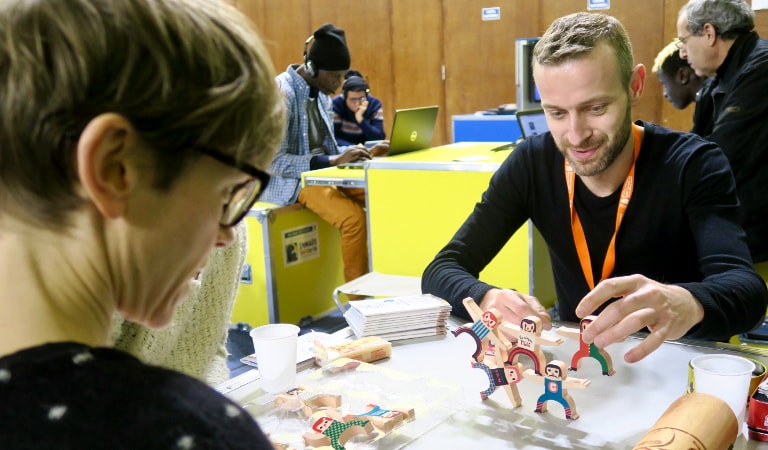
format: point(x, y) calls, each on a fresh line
point(354, 83)
point(329, 49)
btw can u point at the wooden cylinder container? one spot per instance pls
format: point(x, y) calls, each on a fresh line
point(694, 420)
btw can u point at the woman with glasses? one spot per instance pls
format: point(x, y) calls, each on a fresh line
point(134, 137)
point(358, 116)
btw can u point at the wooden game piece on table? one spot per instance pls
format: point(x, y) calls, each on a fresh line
point(587, 350)
point(529, 341)
point(483, 330)
point(503, 374)
point(341, 365)
point(336, 433)
point(556, 382)
point(385, 420)
point(301, 399)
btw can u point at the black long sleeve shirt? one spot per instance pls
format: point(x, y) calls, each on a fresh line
point(681, 227)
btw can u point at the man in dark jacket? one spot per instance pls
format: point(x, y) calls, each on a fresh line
point(717, 38)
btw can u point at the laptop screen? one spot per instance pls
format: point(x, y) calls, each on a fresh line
point(532, 122)
point(412, 129)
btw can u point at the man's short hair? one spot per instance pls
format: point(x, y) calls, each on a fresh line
point(577, 35)
point(184, 72)
point(730, 18)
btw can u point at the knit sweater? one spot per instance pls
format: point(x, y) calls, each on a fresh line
point(345, 127)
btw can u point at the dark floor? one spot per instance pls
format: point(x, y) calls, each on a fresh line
point(239, 343)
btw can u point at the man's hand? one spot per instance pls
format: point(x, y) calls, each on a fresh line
point(668, 311)
point(352, 154)
point(380, 149)
point(514, 306)
point(361, 110)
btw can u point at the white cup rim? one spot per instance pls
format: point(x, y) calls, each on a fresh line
point(749, 366)
point(274, 331)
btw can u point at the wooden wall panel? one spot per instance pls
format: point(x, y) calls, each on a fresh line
point(480, 55)
point(417, 43)
point(283, 25)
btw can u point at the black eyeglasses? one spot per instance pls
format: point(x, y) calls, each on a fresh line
point(244, 195)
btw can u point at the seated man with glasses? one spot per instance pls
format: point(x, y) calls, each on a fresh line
point(358, 116)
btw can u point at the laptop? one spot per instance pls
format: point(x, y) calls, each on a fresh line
point(531, 123)
point(412, 130)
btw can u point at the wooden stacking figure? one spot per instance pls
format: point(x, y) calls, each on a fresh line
point(336, 433)
point(587, 350)
point(503, 374)
point(529, 341)
point(386, 420)
point(484, 329)
point(556, 382)
point(301, 399)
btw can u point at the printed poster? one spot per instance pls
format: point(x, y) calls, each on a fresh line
point(300, 244)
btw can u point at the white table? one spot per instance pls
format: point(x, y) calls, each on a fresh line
point(615, 411)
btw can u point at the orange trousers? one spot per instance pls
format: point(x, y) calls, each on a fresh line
point(344, 209)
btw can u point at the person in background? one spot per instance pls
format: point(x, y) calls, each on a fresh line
point(680, 82)
point(641, 222)
point(718, 40)
point(309, 144)
point(358, 116)
point(135, 135)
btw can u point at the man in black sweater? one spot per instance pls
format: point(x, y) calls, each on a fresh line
point(642, 223)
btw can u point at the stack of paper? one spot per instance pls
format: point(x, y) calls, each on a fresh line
point(397, 318)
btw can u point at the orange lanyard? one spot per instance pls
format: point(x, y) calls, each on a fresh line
point(578, 231)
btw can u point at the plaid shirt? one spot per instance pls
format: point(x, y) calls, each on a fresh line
point(293, 156)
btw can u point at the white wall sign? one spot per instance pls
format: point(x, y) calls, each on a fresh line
point(595, 5)
point(493, 13)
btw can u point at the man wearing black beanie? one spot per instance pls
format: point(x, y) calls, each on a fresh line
point(309, 144)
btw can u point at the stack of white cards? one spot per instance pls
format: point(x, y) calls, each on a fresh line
point(396, 318)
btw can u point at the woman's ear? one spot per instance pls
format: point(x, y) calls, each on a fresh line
point(103, 163)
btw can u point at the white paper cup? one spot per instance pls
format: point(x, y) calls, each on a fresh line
point(275, 347)
point(726, 377)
